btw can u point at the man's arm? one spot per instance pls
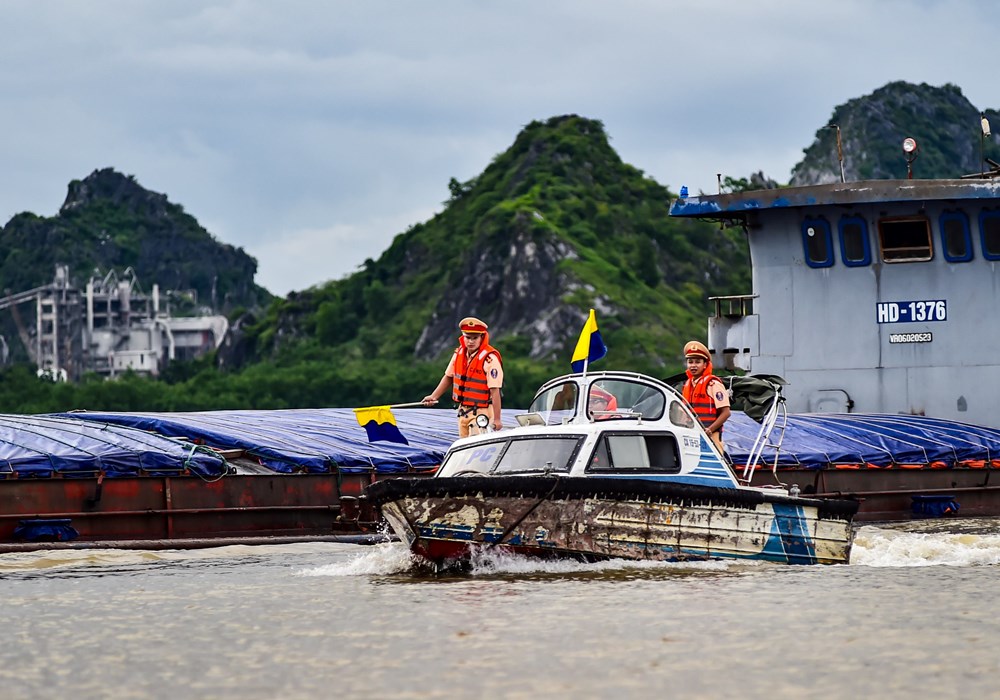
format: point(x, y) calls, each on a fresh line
point(721, 417)
point(495, 402)
point(432, 398)
point(717, 392)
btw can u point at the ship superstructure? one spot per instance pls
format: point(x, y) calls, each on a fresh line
point(870, 296)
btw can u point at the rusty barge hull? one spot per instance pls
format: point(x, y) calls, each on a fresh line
point(894, 494)
point(445, 519)
point(185, 478)
point(179, 508)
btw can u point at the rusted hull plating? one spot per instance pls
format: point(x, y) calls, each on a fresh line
point(444, 528)
point(176, 508)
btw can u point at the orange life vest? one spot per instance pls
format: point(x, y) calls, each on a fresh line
point(469, 386)
point(696, 394)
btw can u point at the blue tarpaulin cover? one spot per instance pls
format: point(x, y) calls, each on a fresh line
point(315, 440)
point(42, 446)
point(321, 440)
point(822, 440)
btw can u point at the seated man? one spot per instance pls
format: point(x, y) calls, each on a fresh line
point(601, 403)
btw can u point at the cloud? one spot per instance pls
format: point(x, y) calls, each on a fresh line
point(296, 127)
point(321, 255)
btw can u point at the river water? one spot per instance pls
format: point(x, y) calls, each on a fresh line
point(913, 615)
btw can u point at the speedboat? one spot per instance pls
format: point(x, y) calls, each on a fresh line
point(607, 465)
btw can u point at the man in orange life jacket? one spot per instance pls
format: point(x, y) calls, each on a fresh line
point(704, 392)
point(476, 375)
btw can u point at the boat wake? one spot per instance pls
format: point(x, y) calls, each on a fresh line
point(394, 558)
point(943, 542)
point(974, 542)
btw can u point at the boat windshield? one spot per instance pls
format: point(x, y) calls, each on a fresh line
point(550, 454)
point(606, 399)
point(532, 454)
point(557, 404)
point(624, 398)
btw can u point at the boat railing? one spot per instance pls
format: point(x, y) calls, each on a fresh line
point(776, 418)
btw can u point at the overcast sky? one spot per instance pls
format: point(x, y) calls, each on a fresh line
point(311, 133)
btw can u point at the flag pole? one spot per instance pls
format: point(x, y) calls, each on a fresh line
point(412, 404)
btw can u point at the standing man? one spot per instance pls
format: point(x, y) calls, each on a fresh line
point(704, 392)
point(476, 374)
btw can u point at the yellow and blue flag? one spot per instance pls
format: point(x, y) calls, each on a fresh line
point(380, 424)
point(590, 347)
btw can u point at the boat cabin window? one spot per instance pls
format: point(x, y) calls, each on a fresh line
point(533, 454)
point(989, 229)
point(478, 458)
point(680, 415)
point(905, 239)
point(557, 404)
point(554, 454)
point(855, 249)
point(609, 399)
point(621, 453)
point(956, 242)
point(818, 243)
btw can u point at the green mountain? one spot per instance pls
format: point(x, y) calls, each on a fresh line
point(945, 125)
point(554, 226)
point(110, 222)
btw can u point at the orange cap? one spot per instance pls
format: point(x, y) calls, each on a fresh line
point(695, 349)
point(597, 392)
point(471, 324)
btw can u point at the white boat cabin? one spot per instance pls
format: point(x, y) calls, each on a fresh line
point(603, 424)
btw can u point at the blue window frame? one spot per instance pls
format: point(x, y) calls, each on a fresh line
point(989, 233)
point(855, 248)
point(817, 242)
point(956, 241)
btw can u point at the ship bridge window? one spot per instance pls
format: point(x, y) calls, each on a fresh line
point(854, 247)
point(905, 239)
point(956, 242)
point(817, 241)
point(635, 453)
point(989, 230)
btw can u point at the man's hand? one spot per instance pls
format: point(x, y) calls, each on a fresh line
point(428, 400)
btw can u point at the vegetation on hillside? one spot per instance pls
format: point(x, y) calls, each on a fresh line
point(109, 222)
point(561, 187)
point(945, 125)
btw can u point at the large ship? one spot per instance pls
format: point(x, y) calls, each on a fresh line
point(871, 297)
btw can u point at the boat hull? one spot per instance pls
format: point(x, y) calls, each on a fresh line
point(600, 518)
point(177, 509)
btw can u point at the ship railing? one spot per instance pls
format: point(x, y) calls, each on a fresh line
point(738, 305)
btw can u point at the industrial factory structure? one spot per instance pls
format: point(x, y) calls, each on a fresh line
point(109, 327)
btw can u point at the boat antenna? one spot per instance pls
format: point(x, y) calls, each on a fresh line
point(985, 124)
point(840, 151)
point(910, 151)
